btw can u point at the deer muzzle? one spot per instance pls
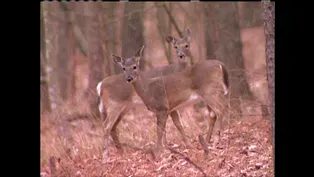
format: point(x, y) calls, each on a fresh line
point(181, 55)
point(129, 78)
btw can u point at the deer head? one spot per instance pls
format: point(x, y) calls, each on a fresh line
point(182, 46)
point(130, 65)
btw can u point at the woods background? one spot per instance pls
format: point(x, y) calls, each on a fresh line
point(77, 39)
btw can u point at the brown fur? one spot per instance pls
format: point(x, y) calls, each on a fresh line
point(201, 82)
point(117, 96)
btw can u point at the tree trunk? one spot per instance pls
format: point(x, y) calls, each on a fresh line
point(109, 36)
point(226, 46)
point(62, 22)
point(71, 48)
point(211, 38)
point(50, 54)
point(249, 14)
point(95, 53)
point(104, 23)
point(269, 28)
point(176, 26)
point(132, 30)
point(163, 24)
point(44, 87)
point(249, 17)
point(169, 31)
point(79, 27)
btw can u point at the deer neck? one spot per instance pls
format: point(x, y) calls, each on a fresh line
point(141, 86)
point(183, 65)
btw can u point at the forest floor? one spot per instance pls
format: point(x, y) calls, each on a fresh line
point(75, 149)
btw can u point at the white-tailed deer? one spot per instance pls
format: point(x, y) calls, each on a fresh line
point(117, 96)
point(205, 81)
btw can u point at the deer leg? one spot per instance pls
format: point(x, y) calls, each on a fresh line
point(175, 116)
point(212, 117)
point(161, 125)
point(102, 111)
point(218, 131)
point(113, 116)
point(223, 107)
point(113, 132)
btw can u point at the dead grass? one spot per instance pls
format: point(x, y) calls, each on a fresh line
point(76, 148)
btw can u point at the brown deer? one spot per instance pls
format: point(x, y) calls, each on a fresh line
point(117, 96)
point(205, 81)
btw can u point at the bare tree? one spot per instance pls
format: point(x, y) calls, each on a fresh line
point(162, 23)
point(62, 55)
point(44, 87)
point(269, 28)
point(57, 32)
point(50, 50)
point(249, 14)
point(79, 19)
point(95, 53)
point(70, 47)
point(173, 21)
point(133, 29)
point(110, 35)
point(211, 38)
point(225, 45)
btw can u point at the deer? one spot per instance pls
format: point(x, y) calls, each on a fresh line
point(206, 80)
point(117, 96)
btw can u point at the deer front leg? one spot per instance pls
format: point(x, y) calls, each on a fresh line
point(113, 116)
point(113, 132)
point(108, 126)
point(175, 116)
point(161, 125)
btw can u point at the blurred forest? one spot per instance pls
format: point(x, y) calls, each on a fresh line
point(77, 39)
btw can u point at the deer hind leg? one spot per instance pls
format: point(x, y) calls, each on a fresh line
point(223, 106)
point(211, 118)
point(216, 139)
point(175, 116)
point(102, 110)
point(215, 120)
point(161, 125)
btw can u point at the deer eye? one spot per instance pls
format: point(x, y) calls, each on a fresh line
point(134, 67)
point(123, 69)
point(186, 46)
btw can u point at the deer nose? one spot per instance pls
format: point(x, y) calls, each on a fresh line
point(129, 78)
point(181, 55)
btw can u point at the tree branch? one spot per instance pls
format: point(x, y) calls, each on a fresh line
point(188, 160)
point(163, 37)
point(173, 21)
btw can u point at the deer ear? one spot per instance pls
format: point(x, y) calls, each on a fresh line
point(139, 52)
point(188, 35)
point(170, 39)
point(138, 55)
point(116, 59)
